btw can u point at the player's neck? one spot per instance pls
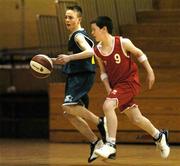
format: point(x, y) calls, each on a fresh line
point(108, 41)
point(75, 29)
point(107, 45)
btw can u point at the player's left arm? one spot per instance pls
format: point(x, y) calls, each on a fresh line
point(87, 51)
point(142, 58)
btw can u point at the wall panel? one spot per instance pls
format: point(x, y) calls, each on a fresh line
point(32, 8)
point(22, 17)
point(18, 21)
point(125, 11)
point(143, 4)
point(10, 19)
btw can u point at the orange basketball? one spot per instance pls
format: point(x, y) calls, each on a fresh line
point(41, 66)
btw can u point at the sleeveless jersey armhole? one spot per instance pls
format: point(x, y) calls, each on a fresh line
point(122, 48)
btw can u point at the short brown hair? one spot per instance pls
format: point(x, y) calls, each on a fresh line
point(76, 8)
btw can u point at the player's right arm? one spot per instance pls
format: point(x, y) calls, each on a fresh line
point(103, 75)
point(87, 51)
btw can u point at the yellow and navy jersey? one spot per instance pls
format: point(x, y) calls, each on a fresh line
point(83, 65)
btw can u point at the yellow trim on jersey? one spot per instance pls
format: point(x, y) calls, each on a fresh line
point(93, 60)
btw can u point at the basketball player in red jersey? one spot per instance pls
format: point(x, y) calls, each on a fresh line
point(120, 77)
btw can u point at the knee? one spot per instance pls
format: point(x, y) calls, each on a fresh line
point(108, 106)
point(68, 116)
point(66, 109)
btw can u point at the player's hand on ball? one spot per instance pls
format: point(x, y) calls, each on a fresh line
point(63, 59)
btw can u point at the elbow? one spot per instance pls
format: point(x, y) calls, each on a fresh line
point(90, 53)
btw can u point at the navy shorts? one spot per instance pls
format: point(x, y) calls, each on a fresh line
point(77, 88)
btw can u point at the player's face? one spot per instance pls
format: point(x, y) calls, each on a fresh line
point(72, 20)
point(96, 32)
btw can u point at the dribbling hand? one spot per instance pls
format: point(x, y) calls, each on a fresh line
point(63, 59)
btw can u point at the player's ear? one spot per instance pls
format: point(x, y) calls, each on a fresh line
point(80, 19)
point(104, 28)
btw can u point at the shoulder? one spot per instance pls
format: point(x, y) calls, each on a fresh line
point(79, 36)
point(82, 35)
point(76, 34)
point(125, 40)
point(80, 32)
point(122, 39)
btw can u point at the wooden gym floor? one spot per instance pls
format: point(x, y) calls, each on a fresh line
point(44, 153)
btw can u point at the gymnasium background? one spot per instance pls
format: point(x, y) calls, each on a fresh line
point(29, 107)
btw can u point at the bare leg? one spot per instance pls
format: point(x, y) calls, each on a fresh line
point(139, 120)
point(109, 111)
point(82, 126)
point(78, 110)
point(108, 150)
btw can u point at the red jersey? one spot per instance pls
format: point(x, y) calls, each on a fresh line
point(119, 66)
